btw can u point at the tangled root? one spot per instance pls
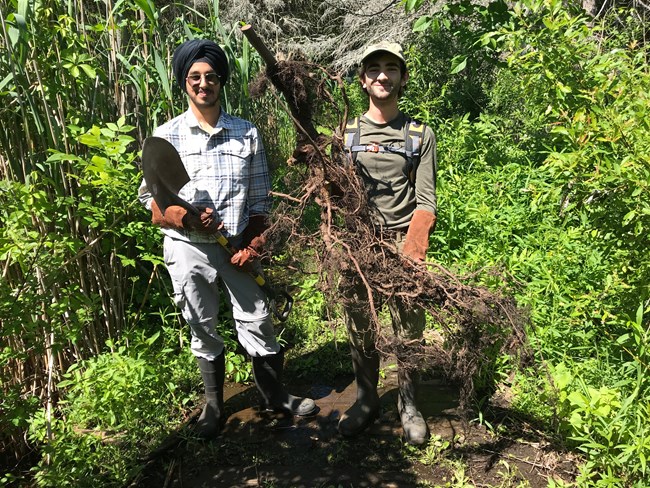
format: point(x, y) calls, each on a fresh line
point(476, 324)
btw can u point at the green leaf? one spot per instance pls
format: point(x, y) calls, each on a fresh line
point(59, 156)
point(422, 24)
point(88, 70)
point(458, 64)
point(411, 5)
point(577, 399)
point(4, 82)
point(153, 338)
point(126, 261)
point(163, 75)
point(629, 216)
point(148, 8)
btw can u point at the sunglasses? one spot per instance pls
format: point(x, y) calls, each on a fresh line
point(210, 78)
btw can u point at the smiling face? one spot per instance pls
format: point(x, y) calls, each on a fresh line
point(383, 76)
point(202, 87)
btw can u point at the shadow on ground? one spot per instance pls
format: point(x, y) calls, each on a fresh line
point(267, 450)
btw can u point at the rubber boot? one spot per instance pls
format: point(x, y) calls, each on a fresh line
point(267, 372)
point(366, 409)
point(416, 430)
point(211, 420)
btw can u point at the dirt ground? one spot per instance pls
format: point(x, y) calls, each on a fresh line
point(258, 449)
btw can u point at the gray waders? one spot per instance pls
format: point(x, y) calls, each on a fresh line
point(366, 409)
point(212, 418)
point(267, 371)
point(416, 431)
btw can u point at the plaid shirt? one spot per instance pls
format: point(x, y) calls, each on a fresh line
point(228, 171)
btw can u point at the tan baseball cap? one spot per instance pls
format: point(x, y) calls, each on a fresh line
point(384, 46)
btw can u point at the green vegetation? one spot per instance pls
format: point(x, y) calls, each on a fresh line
point(542, 117)
point(550, 183)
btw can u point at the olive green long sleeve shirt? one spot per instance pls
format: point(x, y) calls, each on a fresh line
point(391, 194)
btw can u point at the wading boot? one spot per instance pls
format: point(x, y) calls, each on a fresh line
point(416, 431)
point(267, 372)
point(212, 418)
point(366, 409)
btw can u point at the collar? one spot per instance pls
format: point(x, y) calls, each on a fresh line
point(395, 121)
point(225, 122)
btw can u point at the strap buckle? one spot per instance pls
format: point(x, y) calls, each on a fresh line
point(373, 147)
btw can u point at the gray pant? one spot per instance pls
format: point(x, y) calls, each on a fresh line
point(195, 270)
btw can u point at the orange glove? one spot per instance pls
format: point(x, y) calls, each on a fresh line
point(205, 223)
point(417, 237)
point(173, 217)
point(177, 217)
point(252, 243)
point(244, 258)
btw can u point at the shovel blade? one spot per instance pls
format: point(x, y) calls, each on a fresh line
point(164, 173)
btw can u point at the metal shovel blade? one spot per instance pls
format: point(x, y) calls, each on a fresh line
point(164, 173)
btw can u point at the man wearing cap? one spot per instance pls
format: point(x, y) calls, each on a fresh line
point(402, 195)
point(230, 185)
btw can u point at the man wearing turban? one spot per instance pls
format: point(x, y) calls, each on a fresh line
point(230, 185)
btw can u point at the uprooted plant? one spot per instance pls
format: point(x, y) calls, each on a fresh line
point(477, 323)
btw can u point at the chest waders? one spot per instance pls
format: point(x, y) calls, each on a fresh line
point(365, 360)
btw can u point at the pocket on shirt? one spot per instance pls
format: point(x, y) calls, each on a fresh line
point(240, 147)
point(236, 163)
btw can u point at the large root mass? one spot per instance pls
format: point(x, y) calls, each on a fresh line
point(476, 324)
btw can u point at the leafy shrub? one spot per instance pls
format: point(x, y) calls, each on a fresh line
point(114, 390)
point(549, 183)
point(608, 423)
point(121, 401)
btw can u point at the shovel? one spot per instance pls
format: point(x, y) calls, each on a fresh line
point(165, 176)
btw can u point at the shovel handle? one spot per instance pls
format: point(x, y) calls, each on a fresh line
point(282, 315)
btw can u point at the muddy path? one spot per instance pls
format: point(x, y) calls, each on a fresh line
point(257, 449)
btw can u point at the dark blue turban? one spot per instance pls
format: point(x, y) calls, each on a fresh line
point(199, 50)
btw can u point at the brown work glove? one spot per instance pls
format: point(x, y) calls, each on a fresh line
point(417, 237)
point(252, 242)
point(176, 217)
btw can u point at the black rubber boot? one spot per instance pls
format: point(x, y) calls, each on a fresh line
point(267, 372)
point(211, 420)
point(366, 409)
point(416, 430)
